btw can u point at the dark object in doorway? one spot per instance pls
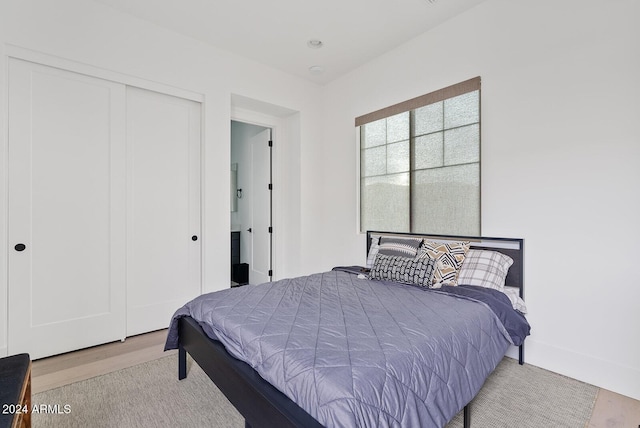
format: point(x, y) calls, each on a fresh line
point(240, 273)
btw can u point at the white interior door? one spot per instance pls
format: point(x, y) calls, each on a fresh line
point(260, 263)
point(66, 210)
point(163, 265)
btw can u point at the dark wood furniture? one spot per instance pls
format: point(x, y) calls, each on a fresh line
point(15, 391)
point(239, 271)
point(259, 402)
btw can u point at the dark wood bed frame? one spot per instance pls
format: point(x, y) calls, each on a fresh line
point(259, 402)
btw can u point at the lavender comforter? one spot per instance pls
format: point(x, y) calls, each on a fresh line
point(358, 352)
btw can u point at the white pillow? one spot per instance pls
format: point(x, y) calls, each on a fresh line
point(513, 293)
point(373, 250)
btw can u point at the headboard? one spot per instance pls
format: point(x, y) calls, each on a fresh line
point(512, 247)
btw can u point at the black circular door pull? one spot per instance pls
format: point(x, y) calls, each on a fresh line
point(194, 238)
point(20, 247)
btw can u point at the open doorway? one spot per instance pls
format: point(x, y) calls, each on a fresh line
point(251, 204)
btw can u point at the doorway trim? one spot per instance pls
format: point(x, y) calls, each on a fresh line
point(277, 124)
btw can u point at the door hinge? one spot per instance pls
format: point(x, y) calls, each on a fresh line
point(270, 272)
point(270, 229)
point(270, 186)
point(270, 143)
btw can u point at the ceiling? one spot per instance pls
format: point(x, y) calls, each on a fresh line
point(276, 32)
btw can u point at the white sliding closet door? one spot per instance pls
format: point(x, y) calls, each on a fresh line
point(66, 214)
point(163, 238)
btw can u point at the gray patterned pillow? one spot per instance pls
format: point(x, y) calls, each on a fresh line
point(513, 294)
point(404, 247)
point(403, 269)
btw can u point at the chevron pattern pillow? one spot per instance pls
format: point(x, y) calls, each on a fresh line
point(448, 258)
point(403, 269)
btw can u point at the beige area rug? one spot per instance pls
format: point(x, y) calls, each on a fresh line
point(530, 397)
point(146, 395)
point(149, 395)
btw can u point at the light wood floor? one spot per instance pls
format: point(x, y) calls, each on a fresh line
point(60, 370)
point(610, 411)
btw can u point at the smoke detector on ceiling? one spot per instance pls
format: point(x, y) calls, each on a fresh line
point(315, 44)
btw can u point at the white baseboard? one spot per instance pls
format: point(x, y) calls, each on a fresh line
point(604, 374)
point(4, 352)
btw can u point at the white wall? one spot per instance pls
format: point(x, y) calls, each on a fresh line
point(91, 36)
point(560, 156)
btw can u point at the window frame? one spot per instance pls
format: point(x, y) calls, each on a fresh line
point(467, 86)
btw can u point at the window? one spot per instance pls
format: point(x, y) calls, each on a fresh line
point(420, 164)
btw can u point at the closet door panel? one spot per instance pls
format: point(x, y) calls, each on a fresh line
point(163, 269)
point(67, 207)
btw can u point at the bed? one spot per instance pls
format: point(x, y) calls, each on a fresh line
point(340, 349)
